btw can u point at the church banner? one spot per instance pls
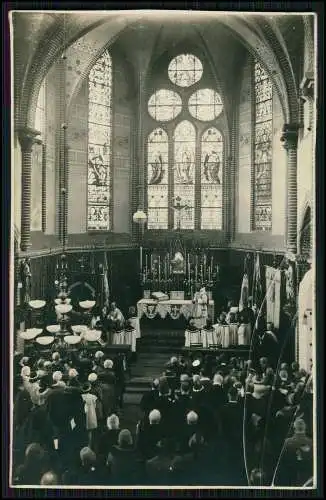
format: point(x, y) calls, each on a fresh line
point(273, 295)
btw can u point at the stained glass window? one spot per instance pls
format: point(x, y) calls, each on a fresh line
point(205, 105)
point(157, 179)
point(99, 144)
point(184, 175)
point(164, 105)
point(211, 179)
point(262, 216)
point(185, 70)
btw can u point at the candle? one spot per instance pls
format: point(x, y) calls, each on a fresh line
point(146, 263)
point(159, 268)
point(211, 264)
point(141, 258)
point(151, 263)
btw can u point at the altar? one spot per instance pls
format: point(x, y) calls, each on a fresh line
point(151, 308)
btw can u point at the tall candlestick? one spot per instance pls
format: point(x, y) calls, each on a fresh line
point(151, 263)
point(159, 268)
point(141, 258)
point(146, 266)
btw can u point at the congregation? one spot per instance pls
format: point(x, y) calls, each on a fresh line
point(207, 419)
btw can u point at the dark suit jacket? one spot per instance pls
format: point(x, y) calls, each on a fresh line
point(125, 467)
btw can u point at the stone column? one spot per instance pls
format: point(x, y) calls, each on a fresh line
point(27, 138)
point(290, 140)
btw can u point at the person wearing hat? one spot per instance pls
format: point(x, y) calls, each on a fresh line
point(196, 366)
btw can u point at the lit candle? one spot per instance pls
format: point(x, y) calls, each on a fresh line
point(141, 258)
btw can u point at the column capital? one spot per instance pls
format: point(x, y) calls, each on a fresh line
point(307, 86)
point(290, 135)
point(27, 137)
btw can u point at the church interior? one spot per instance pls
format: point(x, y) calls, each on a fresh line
point(163, 212)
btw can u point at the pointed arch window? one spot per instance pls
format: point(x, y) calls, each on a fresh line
point(99, 178)
point(185, 155)
point(263, 135)
point(184, 174)
point(157, 179)
point(211, 179)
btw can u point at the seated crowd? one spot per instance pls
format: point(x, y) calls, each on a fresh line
point(205, 421)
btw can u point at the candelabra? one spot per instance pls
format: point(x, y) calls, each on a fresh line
point(197, 270)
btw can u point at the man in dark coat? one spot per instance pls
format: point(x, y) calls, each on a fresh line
point(296, 464)
point(150, 398)
point(149, 433)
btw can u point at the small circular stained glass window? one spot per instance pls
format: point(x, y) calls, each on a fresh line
point(185, 70)
point(205, 105)
point(164, 105)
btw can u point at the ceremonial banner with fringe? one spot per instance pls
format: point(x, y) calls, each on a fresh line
point(106, 289)
point(244, 291)
point(257, 289)
point(273, 295)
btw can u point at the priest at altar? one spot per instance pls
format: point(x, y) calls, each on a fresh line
point(200, 311)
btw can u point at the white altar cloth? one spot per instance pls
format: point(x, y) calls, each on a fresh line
point(175, 308)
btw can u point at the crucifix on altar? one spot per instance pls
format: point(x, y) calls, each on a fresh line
point(178, 208)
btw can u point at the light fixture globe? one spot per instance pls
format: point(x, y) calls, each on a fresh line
point(45, 340)
point(87, 304)
point(53, 328)
point(36, 304)
point(140, 217)
point(30, 333)
point(63, 308)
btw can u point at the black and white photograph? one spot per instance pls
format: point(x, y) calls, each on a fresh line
point(163, 250)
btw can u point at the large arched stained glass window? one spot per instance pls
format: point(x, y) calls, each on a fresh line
point(185, 157)
point(263, 134)
point(211, 179)
point(157, 179)
point(99, 180)
point(184, 175)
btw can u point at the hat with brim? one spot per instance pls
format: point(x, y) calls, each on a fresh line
point(86, 387)
point(33, 377)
